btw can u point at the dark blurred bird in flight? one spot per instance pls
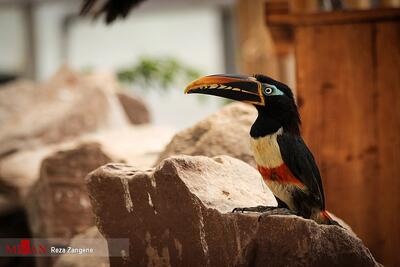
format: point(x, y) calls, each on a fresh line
point(112, 9)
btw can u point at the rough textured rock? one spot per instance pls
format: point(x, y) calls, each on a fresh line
point(66, 106)
point(18, 173)
point(225, 132)
point(139, 145)
point(134, 145)
point(58, 205)
point(135, 108)
point(83, 240)
point(178, 214)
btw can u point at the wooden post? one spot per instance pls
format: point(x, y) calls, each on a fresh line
point(256, 49)
point(30, 45)
point(304, 6)
point(348, 85)
point(263, 49)
point(358, 4)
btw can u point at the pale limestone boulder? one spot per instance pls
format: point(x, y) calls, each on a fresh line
point(136, 145)
point(226, 132)
point(64, 107)
point(58, 205)
point(178, 214)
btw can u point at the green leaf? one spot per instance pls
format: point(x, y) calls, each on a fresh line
point(162, 72)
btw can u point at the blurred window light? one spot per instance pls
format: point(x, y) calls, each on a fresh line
point(12, 44)
point(193, 35)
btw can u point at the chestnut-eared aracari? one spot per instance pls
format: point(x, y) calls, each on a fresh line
point(283, 159)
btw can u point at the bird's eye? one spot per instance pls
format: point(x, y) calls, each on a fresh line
point(268, 90)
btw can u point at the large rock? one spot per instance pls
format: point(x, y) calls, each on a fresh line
point(66, 106)
point(134, 145)
point(18, 173)
point(225, 132)
point(178, 214)
point(58, 205)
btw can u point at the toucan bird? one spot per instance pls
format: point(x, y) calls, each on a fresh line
point(283, 159)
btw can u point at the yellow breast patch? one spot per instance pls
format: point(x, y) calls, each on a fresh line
point(266, 150)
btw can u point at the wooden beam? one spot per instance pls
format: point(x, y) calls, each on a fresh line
point(256, 48)
point(304, 6)
point(336, 17)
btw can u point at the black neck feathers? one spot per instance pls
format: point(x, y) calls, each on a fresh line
point(269, 122)
point(264, 126)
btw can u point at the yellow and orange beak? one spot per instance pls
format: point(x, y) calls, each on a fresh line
point(236, 87)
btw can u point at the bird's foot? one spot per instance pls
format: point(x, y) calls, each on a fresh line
point(277, 211)
point(266, 211)
point(254, 209)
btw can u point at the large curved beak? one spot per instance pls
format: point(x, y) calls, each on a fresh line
point(236, 87)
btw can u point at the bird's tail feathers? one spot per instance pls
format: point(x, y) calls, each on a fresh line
point(325, 218)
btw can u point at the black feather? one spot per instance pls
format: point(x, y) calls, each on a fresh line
point(301, 163)
point(279, 111)
point(86, 6)
point(112, 9)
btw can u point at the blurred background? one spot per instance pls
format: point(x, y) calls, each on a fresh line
point(342, 58)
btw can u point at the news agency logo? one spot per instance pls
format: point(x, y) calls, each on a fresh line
point(25, 247)
point(53, 247)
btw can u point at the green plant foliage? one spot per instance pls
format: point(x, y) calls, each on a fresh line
point(151, 72)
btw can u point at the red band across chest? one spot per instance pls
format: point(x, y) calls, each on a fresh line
point(280, 174)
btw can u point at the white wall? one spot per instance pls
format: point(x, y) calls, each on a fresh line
point(189, 34)
point(48, 22)
point(192, 35)
point(12, 42)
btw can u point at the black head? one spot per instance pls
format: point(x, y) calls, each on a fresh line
point(274, 100)
point(279, 110)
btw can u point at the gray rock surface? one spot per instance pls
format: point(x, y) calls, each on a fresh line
point(226, 132)
point(178, 214)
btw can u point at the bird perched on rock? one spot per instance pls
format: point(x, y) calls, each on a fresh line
point(283, 159)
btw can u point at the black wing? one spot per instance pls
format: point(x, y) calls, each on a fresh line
point(301, 163)
point(111, 8)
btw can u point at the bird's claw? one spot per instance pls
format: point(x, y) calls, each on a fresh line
point(238, 210)
point(277, 211)
point(266, 211)
point(254, 209)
